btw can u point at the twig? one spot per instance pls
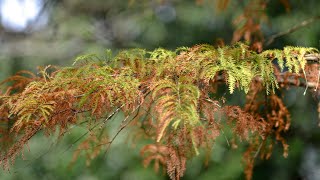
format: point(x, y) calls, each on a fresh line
point(258, 150)
point(101, 123)
point(291, 30)
point(282, 80)
point(122, 127)
point(312, 57)
point(93, 127)
point(225, 137)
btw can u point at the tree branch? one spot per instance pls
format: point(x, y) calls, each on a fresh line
point(291, 30)
point(283, 79)
point(312, 57)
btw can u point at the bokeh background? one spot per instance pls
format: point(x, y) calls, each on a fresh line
point(42, 32)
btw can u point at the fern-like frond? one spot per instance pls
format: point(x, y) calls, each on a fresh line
point(170, 92)
point(176, 103)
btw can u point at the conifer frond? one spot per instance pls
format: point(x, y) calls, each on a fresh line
point(176, 103)
point(172, 92)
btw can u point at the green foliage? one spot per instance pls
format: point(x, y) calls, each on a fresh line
point(177, 103)
point(175, 85)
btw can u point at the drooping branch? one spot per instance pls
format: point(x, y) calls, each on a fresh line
point(182, 114)
point(315, 57)
point(284, 79)
point(293, 29)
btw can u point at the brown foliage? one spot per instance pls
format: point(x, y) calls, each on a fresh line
point(167, 97)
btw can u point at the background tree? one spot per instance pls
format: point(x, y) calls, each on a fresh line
point(160, 23)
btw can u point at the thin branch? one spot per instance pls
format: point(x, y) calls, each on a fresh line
point(282, 78)
point(122, 127)
point(101, 123)
point(225, 137)
point(258, 150)
point(291, 30)
point(117, 133)
point(125, 125)
point(312, 57)
point(93, 127)
point(33, 160)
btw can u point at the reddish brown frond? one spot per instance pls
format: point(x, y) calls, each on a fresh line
point(176, 164)
point(19, 81)
point(10, 156)
point(91, 147)
point(166, 97)
point(157, 153)
point(245, 123)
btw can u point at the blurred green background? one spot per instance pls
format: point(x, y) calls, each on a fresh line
point(41, 32)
